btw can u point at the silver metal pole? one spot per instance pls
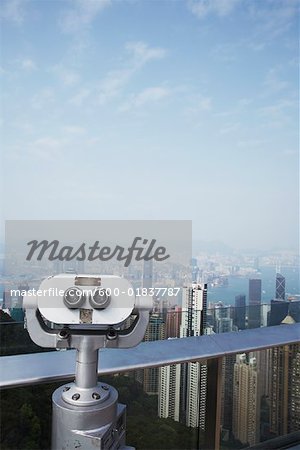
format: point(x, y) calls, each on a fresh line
point(86, 413)
point(86, 368)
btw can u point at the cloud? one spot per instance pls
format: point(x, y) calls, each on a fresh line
point(14, 67)
point(290, 152)
point(278, 108)
point(148, 95)
point(200, 104)
point(43, 98)
point(205, 104)
point(47, 148)
point(139, 54)
point(272, 19)
point(230, 128)
point(142, 53)
point(279, 113)
point(252, 143)
point(112, 83)
point(273, 83)
point(28, 65)
point(79, 98)
point(13, 10)
point(199, 110)
point(152, 94)
point(82, 14)
point(67, 76)
point(244, 102)
point(73, 129)
point(203, 8)
point(226, 53)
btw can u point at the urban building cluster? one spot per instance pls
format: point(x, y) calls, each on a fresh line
point(260, 395)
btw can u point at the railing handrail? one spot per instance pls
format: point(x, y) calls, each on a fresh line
point(35, 368)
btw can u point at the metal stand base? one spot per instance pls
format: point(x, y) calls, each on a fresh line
point(101, 425)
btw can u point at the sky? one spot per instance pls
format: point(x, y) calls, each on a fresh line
point(132, 109)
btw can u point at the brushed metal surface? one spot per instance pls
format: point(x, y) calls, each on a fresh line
point(20, 370)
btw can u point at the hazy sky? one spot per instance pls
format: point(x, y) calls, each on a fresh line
point(154, 110)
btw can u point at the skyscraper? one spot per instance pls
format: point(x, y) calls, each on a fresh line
point(278, 311)
point(245, 423)
point(194, 306)
point(173, 320)
point(240, 312)
point(284, 386)
point(147, 274)
point(169, 392)
point(194, 375)
point(262, 364)
point(195, 270)
point(254, 303)
point(7, 300)
point(17, 312)
point(280, 287)
point(188, 402)
point(295, 393)
point(224, 325)
point(294, 308)
point(155, 331)
point(227, 393)
point(195, 401)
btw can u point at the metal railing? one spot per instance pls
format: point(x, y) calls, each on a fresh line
point(60, 365)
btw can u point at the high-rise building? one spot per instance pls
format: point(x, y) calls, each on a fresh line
point(194, 306)
point(148, 274)
point(254, 303)
point(189, 402)
point(227, 393)
point(219, 311)
point(264, 314)
point(224, 325)
point(280, 287)
point(240, 312)
point(262, 364)
point(278, 311)
point(195, 270)
point(173, 321)
point(194, 375)
point(195, 404)
point(169, 392)
point(294, 308)
point(282, 308)
point(284, 386)
point(295, 394)
point(245, 421)
point(16, 311)
point(7, 300)
point(227, 324)
point(155, 331)
point(149, 378)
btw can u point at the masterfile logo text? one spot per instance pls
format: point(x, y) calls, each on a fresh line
point(140, 250)
point(40, 247)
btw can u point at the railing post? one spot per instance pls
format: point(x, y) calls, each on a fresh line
point(213, 404)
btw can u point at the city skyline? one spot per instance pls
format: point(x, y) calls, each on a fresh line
point(181, 391)
point(115, 105)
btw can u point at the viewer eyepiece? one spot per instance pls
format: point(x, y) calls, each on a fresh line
point(73, 298)
point(100, 299)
